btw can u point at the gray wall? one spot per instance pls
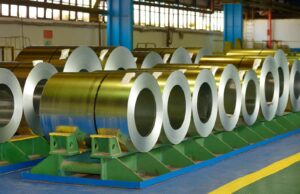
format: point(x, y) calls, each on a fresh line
point(70, 33)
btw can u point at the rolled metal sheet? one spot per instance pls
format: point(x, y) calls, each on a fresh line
point(176, 93)
point(56, 55)
point(134, 109)
point(120, 58)
point(20, 69)
point(60, 56)
point(69, 99)
point(219, 61)
point(165, 53)
point(283, 71)
point(176, 107)
point(269, 88)
point(204, 102)
point(32, 53)
point(295, 86)
point(33, 89)
point(11, 107)
point(241, 62)
point(250, 97)
point(146, 60)
point(229, 98)
point(181, 56)
point(202, 52)
point(251, 52)
point(284, 81)
point(83, 59)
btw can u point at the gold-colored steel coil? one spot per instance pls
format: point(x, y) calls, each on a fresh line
point(127, 103)
point(32, 53)
point(51, 54)
point(241, 62)
point(251, 52)
point(69, 99)
point(134, 107)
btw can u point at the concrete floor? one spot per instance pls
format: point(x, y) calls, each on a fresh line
point(199, 181)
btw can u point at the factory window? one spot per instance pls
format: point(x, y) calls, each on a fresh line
point(146, 13)
point(163, 15)
point(39, 10)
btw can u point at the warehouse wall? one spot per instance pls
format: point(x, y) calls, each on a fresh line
point(214, 41)
point(285, 30)
point(66, 33)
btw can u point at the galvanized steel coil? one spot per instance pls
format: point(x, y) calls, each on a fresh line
point(295, 86)
point(229, 98)
point(120, 58)
point(269, 88)
point(11, 107)
point(131, 103)
point(181, 56)
point(69, 99)
point(250, 97)
point(145, 60)
point(33, 88)
point(82, 59)
point(177, 107)
point(204, 102)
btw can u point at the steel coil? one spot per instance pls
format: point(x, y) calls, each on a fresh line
point(120, 58)
point(250, 97)
point(33, 88)
point(204, 102)
point(11, 107)
point(202, 52)
point(82, 59)
point(229, 100)
point(251, 52)
point(283, 71)
point(269, 88)
point(145, 60)
point(131, 103)
point(69, 99)
point(177, 107)
point(165, 53)
point(181, 56)
point(295, 86)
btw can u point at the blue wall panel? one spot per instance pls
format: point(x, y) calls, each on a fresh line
point(233, 24)
point(120, 23)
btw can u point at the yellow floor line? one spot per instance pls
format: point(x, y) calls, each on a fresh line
point(251, 178)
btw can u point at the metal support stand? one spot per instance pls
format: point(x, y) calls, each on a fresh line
point(107, 161)
point(22, 151)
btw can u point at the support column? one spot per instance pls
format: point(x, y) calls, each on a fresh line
point(120, 23)
point(233, 22)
